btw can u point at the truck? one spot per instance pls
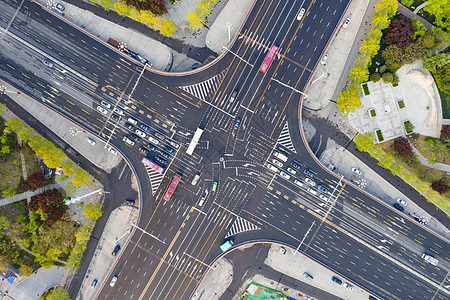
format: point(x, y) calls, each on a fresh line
point(114, 43)
point(430, 259)
point(280, 156)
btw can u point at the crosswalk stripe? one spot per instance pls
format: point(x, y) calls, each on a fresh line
point(285, 139)
point(206, 88)
point(240, 225)
point(155, 179)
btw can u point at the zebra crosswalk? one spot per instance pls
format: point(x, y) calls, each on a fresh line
point(285, 139)
point(205, 89)
point(240, 225)
point(155, 179)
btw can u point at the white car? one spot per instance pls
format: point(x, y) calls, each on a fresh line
point(102, 110)
point(105, 103)
point(140, 133)
point(285, 175)
point(401, 201)
point(60, 7)
point(356, 171)
point(272, 168)
point(277, 163)
point(324, 59)
point(90, 141)
point(128, 141)
point(113, 281)
point(309, 181)
point(301, 14)
point(312, 191)
point(347, 21)
point(323, 197)
point(118, 110)
point(112, 150)
point(292, 171)
point(298, 182)
point(348, 286)
point(153, 140)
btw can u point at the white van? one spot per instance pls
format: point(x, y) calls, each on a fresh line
point(132, 121)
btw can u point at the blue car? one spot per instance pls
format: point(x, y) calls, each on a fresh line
point(145, 127)
point(170, 150)
point(236, 125)
point(308, 173)
point(151, 147)
point(129, 126)
point(164, 154)
point(160, 160)
point(295, 165)
point(135, 137)
point(115, 118)
point(322, 188)
point(143, 150)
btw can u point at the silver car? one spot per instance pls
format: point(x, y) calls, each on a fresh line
point(309, 181)
point(277, 163)
point(285, 175)
point(140, 133)
point(113, 281)
point(153, 140)
point(90, 141)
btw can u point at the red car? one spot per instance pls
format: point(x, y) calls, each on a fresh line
point(159, 136)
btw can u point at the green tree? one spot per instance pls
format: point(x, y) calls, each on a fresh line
point(433, 62)
point(441, 10)
point(407, 3)
point(68, 168)
point(81, 178)
point(364, 142)
point(121, 8)
point(429, 41)
point(420, 29)
point(375, 77)
point(167, 28)
point(25, 270)
point(359, 74)
point(387, 77)
point(93, 211)
point(9, 192)
point(380, 22)
point(20, 128)
point(348, 100)
point(107, 4)
point(386, 7)
point(58, 294)
point(3, 107)
point(195, 21)
point(5, 150)
point(375, 34)
point(369, 47)
point(392, 54)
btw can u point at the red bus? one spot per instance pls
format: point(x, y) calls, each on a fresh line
point(172, 187)
point(265, 65)
point(150, 163)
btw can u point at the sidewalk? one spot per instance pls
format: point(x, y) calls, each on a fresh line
point(29, 194)
point(343, 161)
point(116, 232)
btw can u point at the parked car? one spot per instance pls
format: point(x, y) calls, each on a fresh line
point(336, 280)
point(164, 154)
point(401, 201)
point(174, 144)
point(151, 147)
point(324, 59)
point(60, 7)
point(399, 207)
point(112, 150)
point(348, 286)
point(347, 21)
point(118, 110)
point(116, 249)
point(94, 283)
point(357, 171)
point(308, 173)
point(115, 118)
point(102, 110)
point(90, 141)
point(272, 168)
point(135, 137)
point(306, 274)
point(323, 197)
point(298, 182)
point(312, 191)
point(128, 141)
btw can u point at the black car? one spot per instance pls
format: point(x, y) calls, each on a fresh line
point(322, 188)
point(116, 249)
point(135, 137)
point(129, 126)
point(130, 202)
point(169, 149)
point(399, 207)
point(336, 280)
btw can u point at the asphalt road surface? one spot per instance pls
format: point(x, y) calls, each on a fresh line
point(358, 237)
